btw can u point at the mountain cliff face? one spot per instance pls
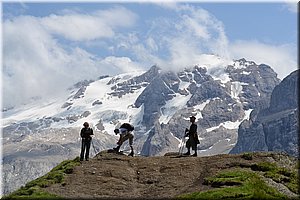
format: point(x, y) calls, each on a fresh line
point(276, 127)
point(158, 103)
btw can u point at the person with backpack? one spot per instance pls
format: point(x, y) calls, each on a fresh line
point(86, 139)
point(125, 132)
point(193, 137)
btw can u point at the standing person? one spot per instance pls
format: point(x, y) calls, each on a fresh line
point(193, 137)
point(85, 135)
point(125, 132)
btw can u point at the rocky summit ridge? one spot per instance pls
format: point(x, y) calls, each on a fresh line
point(113, 176)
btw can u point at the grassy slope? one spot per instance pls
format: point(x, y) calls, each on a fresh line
point(33, 189)
point(244, 183)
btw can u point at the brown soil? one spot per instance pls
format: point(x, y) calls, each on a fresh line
point(109, 175)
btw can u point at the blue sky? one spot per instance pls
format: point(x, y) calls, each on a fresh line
point(76, 41)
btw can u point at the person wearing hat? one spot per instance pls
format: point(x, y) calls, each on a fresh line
point(193, 137)
point(85, 135)
point(125, 132)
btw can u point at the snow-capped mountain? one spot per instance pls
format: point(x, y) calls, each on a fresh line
point(220, 93)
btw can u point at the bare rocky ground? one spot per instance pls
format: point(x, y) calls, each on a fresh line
point(110, 175)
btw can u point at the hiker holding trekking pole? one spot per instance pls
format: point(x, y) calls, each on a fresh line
point(193, 137)
point(86, 140)
point(181, 145)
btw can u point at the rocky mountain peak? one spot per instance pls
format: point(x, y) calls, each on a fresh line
point(284, 95)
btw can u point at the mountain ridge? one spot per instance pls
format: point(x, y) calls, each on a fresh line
point(157, 102)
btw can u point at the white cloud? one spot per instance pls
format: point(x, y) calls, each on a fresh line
point(282, 58)
point(177, 42)
point(82, 27)
point(117, 65)
point(198, 29)
point(36, 65)
point(181, 41)
point(78, 27)
point(151, 44)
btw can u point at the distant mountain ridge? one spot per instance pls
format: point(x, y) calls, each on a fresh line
point(158, 103)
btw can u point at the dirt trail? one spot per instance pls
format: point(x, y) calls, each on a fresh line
point(109, 175)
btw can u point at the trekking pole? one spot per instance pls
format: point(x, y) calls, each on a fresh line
point(181, 145)
point(94, 148)
point(79, 140)
point(99, 144)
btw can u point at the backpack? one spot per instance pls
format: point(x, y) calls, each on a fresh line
point(129, 127)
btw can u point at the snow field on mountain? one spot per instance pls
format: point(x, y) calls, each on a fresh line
point(199, 108)
point(230, 124)
point(31, 111)
point(176, 103)
point(112, 107)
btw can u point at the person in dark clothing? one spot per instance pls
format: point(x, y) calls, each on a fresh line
point(125, 132)
point(193, 137)
point(85, 135)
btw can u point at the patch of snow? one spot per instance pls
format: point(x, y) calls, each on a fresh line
point(238, 65)
point(215, 66)
point(243, 83)
point(183, 85)
point(172, 106)
point(246, 73)
point(202, 105)
point(223, 85)
point(247, 114)
point(224, 78)
point(199, 108)
point(231, 125)
point(210, 61)
point(236, 89)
